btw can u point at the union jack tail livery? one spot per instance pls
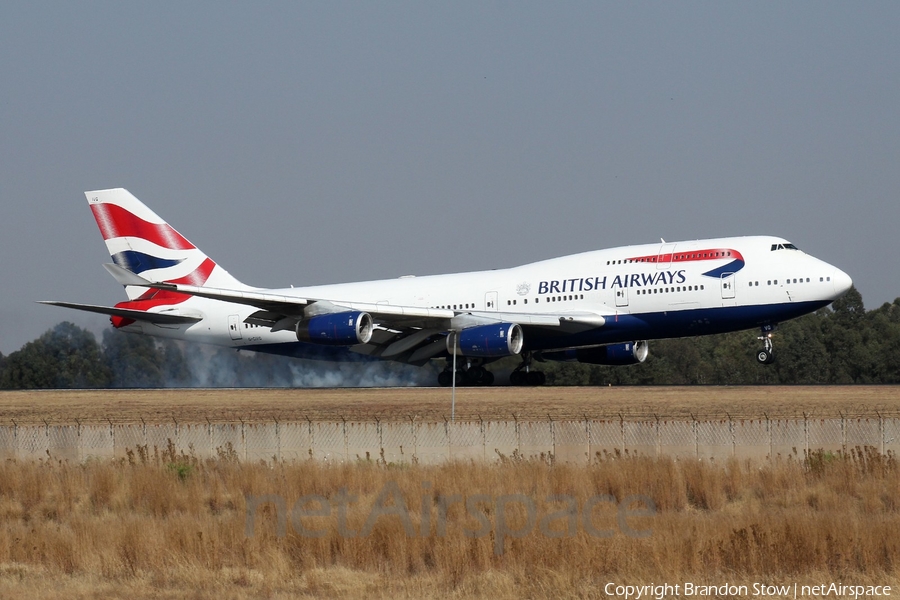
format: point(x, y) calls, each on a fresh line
point(141, 242)
point(596, 307)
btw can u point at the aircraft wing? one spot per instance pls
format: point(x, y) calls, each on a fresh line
point(160, 318)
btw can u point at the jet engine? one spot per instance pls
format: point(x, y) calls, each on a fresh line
point(487, 341)
point(337, 329)
point(629, 353)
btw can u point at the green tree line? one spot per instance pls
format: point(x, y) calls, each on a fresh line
point(840, 344)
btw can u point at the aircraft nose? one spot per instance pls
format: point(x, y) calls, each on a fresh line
point(842, 283)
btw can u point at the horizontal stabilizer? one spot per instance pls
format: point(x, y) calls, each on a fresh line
point(166, 318)
point(124, 276)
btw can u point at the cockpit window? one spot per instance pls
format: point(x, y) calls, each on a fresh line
point(784, 247)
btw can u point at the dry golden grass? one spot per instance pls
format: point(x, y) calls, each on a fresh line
point(165, 526)
point(198, 405)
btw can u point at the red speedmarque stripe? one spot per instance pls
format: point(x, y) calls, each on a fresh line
point(114, 221)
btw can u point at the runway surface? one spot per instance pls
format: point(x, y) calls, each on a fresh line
point(434, 404)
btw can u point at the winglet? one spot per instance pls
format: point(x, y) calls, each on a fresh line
point(126, 277)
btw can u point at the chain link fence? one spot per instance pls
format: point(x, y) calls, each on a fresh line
point(576, 441)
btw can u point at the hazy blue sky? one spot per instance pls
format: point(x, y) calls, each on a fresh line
point(327, 142)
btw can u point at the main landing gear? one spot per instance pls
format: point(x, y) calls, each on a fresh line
point(469, 375)
point(473, 373)
point(523, 375)
point(766, 356)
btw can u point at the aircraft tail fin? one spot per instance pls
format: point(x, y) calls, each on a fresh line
point(141, 242)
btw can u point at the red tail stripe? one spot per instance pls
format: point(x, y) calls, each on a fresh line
point(198, 276)
point(115, 221)
point(153, 298)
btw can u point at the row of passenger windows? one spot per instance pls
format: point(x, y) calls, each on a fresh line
point(456, 306)
point(789, 281)
point(514, 302)
point(668, 290)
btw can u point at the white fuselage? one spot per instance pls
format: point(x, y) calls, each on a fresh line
point(645, 292)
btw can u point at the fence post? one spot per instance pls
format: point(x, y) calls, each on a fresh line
point(696, 428)
point(415, 437)
point(552, 438)
point(843, 434)
point(450, 441)
point(733, 436)
point(243, 439)
point(210, 444)
point(112, 435)
point(518, 442)
point(806, 432)
point(658, 440)
point(380, 437)
point(277, 439)
point(587, 433)
point(483, 439)
point(346, 441)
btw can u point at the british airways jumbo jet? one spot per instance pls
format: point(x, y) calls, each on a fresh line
point(596, 307)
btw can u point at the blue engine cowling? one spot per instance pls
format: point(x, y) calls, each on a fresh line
point(483, 341)
point(629, 353)
point(337, 329)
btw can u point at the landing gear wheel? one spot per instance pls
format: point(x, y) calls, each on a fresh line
point(474, 375)
point(535, 378)
point(487, 378)
point(445, 379)
point(517, 378)
point(764, 357)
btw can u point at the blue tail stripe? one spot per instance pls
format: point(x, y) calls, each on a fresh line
point(138, 262)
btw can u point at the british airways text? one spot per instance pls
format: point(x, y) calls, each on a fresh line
point(586, 284)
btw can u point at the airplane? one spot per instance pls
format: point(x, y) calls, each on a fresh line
point(598, 307)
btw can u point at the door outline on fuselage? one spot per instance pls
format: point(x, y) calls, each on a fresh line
point(621, 296)
point(234, 326)
point(727, 285)
point(490, 301)
point(666, 253)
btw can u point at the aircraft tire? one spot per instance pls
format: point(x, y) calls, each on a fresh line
point(764, 357)
point(535, 378)
point(474, 375)
point(487, 378)
point(517, 378)
point(445, 379)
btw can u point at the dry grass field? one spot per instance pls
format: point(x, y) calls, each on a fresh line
point(167, 526)
point(198, 405)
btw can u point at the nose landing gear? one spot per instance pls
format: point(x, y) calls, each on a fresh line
point(765, 356)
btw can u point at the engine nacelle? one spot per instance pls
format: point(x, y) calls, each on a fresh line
point(487, 341)
point(629, 353)
point(337, 329)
